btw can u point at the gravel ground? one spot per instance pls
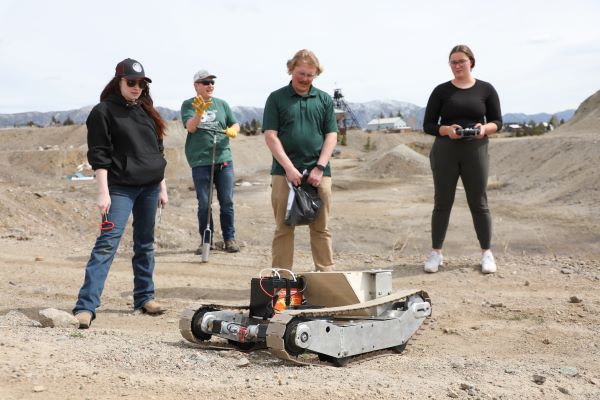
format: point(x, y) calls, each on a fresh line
point(529, 331)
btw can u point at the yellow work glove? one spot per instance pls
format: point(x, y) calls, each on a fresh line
point(231, 132)
point(200, 105)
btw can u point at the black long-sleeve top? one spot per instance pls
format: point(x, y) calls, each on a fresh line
point(449, 105)
point(123, 139)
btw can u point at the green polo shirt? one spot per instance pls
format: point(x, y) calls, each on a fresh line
point(301, 123)
point(198, 145)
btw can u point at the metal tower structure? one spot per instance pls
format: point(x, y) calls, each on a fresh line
point(350, 121)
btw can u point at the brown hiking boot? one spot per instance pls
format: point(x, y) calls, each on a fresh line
point(231, 246)
point(84, 318)
point(153, 307)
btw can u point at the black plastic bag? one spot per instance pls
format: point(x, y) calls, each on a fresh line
point(304, 204)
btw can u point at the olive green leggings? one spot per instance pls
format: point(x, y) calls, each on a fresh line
point(468, 159)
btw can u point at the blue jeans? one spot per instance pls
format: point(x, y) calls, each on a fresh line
point(223, 182)
point(143, 202)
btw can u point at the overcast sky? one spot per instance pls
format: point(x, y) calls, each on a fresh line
point(542, 56)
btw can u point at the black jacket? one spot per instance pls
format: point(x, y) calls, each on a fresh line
point(123, 139)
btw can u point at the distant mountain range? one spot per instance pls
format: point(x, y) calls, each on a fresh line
point(537, 118)
point(363, 112)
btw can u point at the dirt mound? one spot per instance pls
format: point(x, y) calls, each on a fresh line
point(552, 171)
point(559, 168)
point(586, 118)
point(72, 136)
point(32, 155)
point(399, 162)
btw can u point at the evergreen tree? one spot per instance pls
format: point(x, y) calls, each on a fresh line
point(246, 129)
point(255, 126)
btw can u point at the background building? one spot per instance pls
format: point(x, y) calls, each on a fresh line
point(395, 124)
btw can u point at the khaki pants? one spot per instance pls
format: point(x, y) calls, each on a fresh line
point(320, 237)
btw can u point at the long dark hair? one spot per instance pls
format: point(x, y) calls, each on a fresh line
point(145, 100)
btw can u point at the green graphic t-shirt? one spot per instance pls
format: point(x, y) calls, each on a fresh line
point(198, 145)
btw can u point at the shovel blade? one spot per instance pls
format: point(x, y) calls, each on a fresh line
point(205, 251)
point(206, 240)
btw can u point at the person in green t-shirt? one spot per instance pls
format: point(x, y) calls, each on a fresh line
point(301, 132)
point(204, 116)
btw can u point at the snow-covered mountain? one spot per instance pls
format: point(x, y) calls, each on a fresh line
point(520, 118)
point(364, 112)
point(44, 118)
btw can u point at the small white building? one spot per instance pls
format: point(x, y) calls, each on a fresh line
point(390, 124)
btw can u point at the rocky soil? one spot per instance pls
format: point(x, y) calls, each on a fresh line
point(530, 331)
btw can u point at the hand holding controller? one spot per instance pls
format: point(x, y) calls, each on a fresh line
point(466, 132)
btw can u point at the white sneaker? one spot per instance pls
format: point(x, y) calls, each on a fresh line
point(488, 264)
point(433, 262)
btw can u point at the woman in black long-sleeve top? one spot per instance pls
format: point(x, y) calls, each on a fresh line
point(464, 102)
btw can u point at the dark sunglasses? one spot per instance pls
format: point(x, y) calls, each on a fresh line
point(141, 83)
point(206, 83)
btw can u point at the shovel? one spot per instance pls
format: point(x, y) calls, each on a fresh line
point(207, 234)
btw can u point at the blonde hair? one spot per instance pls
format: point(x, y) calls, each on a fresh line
point(304, 57)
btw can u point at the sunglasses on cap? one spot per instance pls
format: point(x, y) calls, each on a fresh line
point(206, 82)
point(141, 83)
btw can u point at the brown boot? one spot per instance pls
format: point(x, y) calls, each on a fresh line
point(153, 307)
point(84, 318)
point(231, 246)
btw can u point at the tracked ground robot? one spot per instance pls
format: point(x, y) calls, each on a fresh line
point(313, 318)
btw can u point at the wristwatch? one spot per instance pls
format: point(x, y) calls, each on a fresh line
point(320, 167)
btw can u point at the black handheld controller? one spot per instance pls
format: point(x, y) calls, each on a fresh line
point(465, 132)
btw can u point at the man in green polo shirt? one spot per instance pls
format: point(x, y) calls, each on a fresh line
point(301, 132)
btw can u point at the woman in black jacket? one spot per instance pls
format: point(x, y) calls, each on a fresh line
point(464, 102)
point(125, 149)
